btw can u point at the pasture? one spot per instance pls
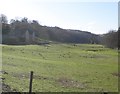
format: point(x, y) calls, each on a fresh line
point(60, 68)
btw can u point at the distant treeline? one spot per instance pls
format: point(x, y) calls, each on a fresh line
point(14, 32)
point(18, 31)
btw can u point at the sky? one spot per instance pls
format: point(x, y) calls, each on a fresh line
point(119, 14)
point(96, 17)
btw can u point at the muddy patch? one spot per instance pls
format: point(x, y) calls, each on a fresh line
point(6, 88)
point(116, 74)
point(93, 56)
point(42, 77)
point(3, 72)
point(64, 82)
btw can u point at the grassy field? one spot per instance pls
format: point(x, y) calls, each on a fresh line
point(60, 68)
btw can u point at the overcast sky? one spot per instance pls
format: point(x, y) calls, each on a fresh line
point(95, 17)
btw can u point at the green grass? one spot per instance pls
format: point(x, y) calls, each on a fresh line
point(61, 67)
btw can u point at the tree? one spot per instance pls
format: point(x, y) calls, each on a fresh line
point(111, 39)
point(25, 20)
point(35, 22)
point(5, 28)
point(12, 21)
point(5, 25)
point(3, 19)
point(27, 37)
point(118, 38)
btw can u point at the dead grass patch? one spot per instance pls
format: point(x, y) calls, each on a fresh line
point(64, 82)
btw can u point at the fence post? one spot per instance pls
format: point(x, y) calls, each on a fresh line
point(30, 85)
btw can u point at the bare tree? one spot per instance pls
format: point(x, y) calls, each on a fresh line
point(27, 36)
point(3, 19)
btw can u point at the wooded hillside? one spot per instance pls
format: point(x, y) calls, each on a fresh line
point(15, 33)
